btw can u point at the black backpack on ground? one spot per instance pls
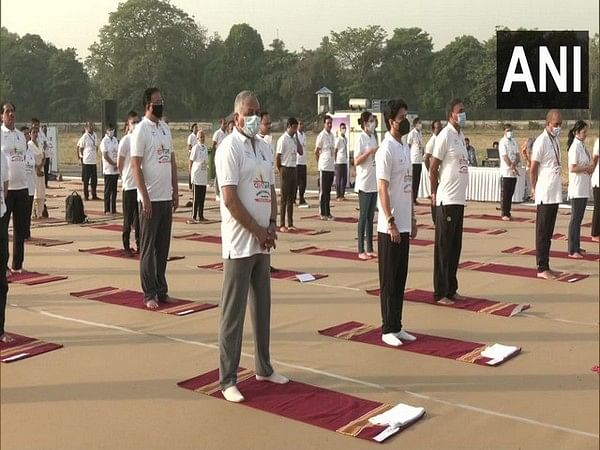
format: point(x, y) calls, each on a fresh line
point(74, 212)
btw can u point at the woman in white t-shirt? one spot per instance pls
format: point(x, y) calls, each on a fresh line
point(38, 174)
point(198, 168)
point(366, 182)
point(580, 171)
point(596, 192)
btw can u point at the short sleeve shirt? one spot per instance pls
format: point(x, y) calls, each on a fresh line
point(325, 142)
point(596, 174)
point(14, 147)
point(393, 164)
point(451, 150)
point(415, 141)
point(430, 145)
point(301, 158)
point(341, 144)
point(125, 153)
point(199, 158)
point(508, 147)
point(546, 151)
point(191, 140)
point(109, 146)
point(250, 168)
point(88, 143)
point(288, 149)
point(153, 144)
point(218, 136)
point(366, 179)
point(580, 184)
point(3, 179)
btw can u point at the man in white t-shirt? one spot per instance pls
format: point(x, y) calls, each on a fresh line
point(509, 168)
point(155, 173)
point(198, 168)
point(546, 189)
point(341, 163)
point(436, 127)
point(415, 143)
point(191, 141)
point(287, 151)
point(217, 138)
point(596, 192)
point(396, 222)
point(8, 120)
point(248, 211)
point(109, 149)
point(130, 205)
point(43, 145)
point(87, 147)
point(324, 152)
point(449, 176)
point(14, 147)
point(301, 166)
point(264, 132)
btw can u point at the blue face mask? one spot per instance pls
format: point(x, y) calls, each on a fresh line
point(462, 119)
point(251, 125)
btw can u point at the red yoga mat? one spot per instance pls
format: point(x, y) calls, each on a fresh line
point(46, 242)
point(24, 347)
point(134, 299)
point(185, 219)
point(498, 218)
point(473, 230)
point(313, 405)
point(336, 219)
point(330, 253)
point(518, 271)
point(553, 253)
point(119, 253)
point(563, 237)
point(480, 305)
point(33, 278)
point(108, 227)
point(441, 347)
point(305, 231)
point(276, 274)
point(199, 237)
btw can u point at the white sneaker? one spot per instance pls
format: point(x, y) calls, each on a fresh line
point(303, 205)
point(273, 378)
point(403, 335)
point(391, 339)
point(232, 394)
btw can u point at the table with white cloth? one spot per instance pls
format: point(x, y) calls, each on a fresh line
point(484, 184)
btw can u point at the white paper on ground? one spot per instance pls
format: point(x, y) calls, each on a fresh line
point(183, 313)
point(15, 357)
point(305, 277)
point(399, 415)
point(389, 431)
point(498, 353)
point(518, 309)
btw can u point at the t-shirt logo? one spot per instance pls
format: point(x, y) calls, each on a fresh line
point(263, 190)
point(164, 154)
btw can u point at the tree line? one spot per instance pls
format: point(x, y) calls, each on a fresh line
point(152, 42)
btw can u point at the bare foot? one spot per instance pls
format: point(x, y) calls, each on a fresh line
point(576, 256)
point(546, 275)
point(151, 304)
point(6, 338)
point(458, 297)
point(168, 299)
point(445, 301)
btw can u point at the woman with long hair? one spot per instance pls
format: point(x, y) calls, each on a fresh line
point(580, 184)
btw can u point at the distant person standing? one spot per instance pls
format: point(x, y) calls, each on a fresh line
point(87, 147)
point(415, 143)
point(109, 148)
point(14, 148)
point(324, 153)
point(301, 165)
point(48, 154)
point(130, 204)
point(546, 188)
point(287, 151)
point(43, 144)
point(198, 168)
point(191, 141)
point(30, 172)
point(155, 174)
point(341, 163)
point(580, 184)
point(4, 337)
point(509, 168)
point(38, 172)
point(472, 154)
point(264, 131)
point(217, 138)
point(436, 127)
point(596, 192)
point(449, 175)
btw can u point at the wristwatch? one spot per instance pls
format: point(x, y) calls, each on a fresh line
point(391, 220)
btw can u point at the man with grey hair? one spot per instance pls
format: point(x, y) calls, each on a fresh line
point(244, 165)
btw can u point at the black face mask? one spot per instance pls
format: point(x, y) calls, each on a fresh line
point(404, 127)
point(157, 110)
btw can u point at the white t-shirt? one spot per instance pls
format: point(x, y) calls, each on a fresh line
point(430, 144)
point(451, 150)
point(218, 136)
point(326, 142)
point(287, 148)
point(3, 179)
point(508, 147)
point(125, 152)
point(301, 158)
point(30, 168)
point(109, 146)
point(44, 144)
point(596, 174)
point(546, 151)
point(192, 140)
point(580, 184)
point(14, 147)
point(415, 141)
point(393, 163)
point(251, 170)
point(152, 142)
point(341, 143)
point(366, 179)
point(199, 158)
point(88, 143)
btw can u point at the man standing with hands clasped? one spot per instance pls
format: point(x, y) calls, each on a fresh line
point(245, 170)
point(155, 175)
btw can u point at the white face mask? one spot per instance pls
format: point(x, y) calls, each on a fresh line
point(556, 132)
point(509, 134)
point(251, 125)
